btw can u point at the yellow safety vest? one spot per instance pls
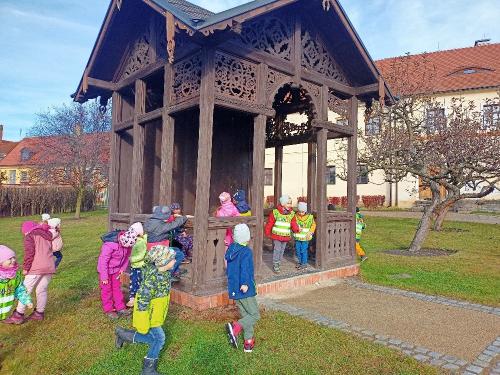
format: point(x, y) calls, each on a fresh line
point(304, 225)
point(282, 226)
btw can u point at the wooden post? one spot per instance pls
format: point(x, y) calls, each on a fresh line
point(311, 176)
point(352, 168)
point(114, 166)
point(259, 153)
point(297, 49)
point(137, 178)
point(321, 228)
point(167, 142)
point(278, 173)
point(204, 166)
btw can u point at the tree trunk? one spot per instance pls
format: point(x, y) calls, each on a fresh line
point(425, 221)
point(441, 212)
point(79, 199)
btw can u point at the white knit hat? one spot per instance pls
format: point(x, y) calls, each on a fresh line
point(137, 228)
point(302, 207)
point(241, 234)
point(45, 217)
point(284, 200)
point(54, 222)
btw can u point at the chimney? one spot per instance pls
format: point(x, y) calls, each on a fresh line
point(1, 132)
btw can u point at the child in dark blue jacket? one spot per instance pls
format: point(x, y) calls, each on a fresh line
point(241, 288)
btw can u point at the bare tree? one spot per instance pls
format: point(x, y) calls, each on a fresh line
point(75, 147)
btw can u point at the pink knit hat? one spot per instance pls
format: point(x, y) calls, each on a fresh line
point(128, 238)
point(6, 253)
point(27, 227)
point(224, 197)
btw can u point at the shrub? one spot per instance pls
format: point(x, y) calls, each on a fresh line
point(373, 201)
point(340, 201)
point(35, 200)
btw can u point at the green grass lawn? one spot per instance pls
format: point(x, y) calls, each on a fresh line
point(76, 338)
point(473, 273)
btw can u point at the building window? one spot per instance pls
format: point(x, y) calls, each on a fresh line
point(330, 175)
point(362, 174)
point(25, 154)
point(24, 176)
point(268, 176)
point(435, 119)
point(491, 116)
point(12, 177)
point(372, 127)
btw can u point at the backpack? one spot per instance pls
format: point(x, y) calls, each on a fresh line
point(111, 236)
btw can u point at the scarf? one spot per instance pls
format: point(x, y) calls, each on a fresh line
point(8, 273)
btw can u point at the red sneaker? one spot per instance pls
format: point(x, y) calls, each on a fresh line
point(35, 315)
point(248, 345)
point(15, 318)
point(233, 330)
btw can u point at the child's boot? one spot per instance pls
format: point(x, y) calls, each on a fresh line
point(122, 336)
point(15, 318)
point(35, 315)
point(276, 268)
point(233, 330)
point(248, 345)
point(149, 366)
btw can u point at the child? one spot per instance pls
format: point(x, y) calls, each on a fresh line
point(240, 201)
point(360, 226)
point(11, 283)
point(159, 228)
point(112, 262)
point(280, 225)
point(45, 219)
point(151, 307)
point(38, 268)
point(180, 234)
point(57, 242)
point(241, 288)
point(307, 227)
point(137, 261)
point(227, 209)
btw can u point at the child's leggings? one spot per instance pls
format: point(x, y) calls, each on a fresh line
point(359, 249)
point(249, 311)
point(155, 338)
point(301, 248)
point(279, 250)
point(111, 294)
point(41, 283)
point(135, 281)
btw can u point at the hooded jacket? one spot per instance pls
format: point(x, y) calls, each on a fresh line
point(241, 203)
point(240, 271)
point(156, 226)
point(113, 259)
point(38, 257)
point(270, 223)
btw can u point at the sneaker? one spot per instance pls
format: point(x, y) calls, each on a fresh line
point(186, 261)
point(112, 315)
point(248, 345)
point(123, 313)
point(15, 318)
point(298, 266)
point(276, 268)
point(130, 302)
point(233, 330)
point(35, 315)
point(303, 266)
point(175, 279)
point(363, 258)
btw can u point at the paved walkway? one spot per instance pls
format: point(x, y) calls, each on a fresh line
point(452, 216)
point(454, 335)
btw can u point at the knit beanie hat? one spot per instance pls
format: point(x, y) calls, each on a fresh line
point(6, 253)
point(302, 207)
point(54, 222)
point(128, 238)
point(45, 217)
point(160, 255)
point(224, 197)
point(284, 200)
point(241, 234)
point(137, 228)
point(175, 206)
point(27, 227)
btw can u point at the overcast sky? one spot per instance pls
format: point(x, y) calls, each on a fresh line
point(45, 44)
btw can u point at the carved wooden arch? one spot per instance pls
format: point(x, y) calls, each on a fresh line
point(313, 93)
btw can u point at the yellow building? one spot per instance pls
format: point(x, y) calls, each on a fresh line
point(16, 163)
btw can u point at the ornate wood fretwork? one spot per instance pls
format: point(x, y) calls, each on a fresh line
point(271, 34)
point(339, 106)
point(315, 57)
point(314, 92)
point(275, 79)
point(278, 130)
point(187, 78)
point(139, 57)
point(235, 77)
point(170, 34)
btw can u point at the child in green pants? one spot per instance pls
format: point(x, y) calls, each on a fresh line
point(241, 288)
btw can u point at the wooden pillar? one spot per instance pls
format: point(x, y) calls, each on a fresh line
point(352, 172)
point(137, 178)
point(311, 176)
point(278, 173)
point(321, 229)
point(259, 155)
point(114, 165)
point(167, 142)
point(204, 166)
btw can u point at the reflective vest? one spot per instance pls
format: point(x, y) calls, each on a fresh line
point(359, 229)
point(282, 225)
point(304, 225)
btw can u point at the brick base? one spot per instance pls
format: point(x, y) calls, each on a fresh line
point(221, 299)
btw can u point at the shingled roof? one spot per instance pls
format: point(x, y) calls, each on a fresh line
point(190, 10)
point(458, 69)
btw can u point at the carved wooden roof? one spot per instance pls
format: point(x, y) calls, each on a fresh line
point(185, 9)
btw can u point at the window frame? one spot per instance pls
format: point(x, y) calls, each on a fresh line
point(329, 174)
point(432, 123)
point(266, 176)
point(362, 178)
point(493, 117)
point(371, 123)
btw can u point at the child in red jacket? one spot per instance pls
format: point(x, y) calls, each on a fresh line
point(279, 228)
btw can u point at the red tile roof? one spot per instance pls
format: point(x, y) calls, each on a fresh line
point(458, 69)
point(6, 147)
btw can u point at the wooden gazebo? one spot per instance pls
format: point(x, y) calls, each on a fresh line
point(197, 97)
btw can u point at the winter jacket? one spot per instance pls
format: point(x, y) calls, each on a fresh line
point(227, 209)
point(240, 271)
point(156, 226)
point(10, 290)
point(38, 258)
point(139, 252)
point(241, 203)
point(272, 220)
point(113, 259)
point(307, 227)
point(57, 242)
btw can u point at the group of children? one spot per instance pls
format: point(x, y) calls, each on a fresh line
point(42, 255)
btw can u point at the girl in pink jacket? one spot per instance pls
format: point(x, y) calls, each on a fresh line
point(227, 209)
point(113, 261)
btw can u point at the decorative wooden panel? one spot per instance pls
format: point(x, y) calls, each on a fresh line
point(315, 56)
point(275, 79)
point(235, 77)
point(271, 34)
point(187, 79)
point(314, 91)
point(140, 56)
point(339, 239)
point(337, 105)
